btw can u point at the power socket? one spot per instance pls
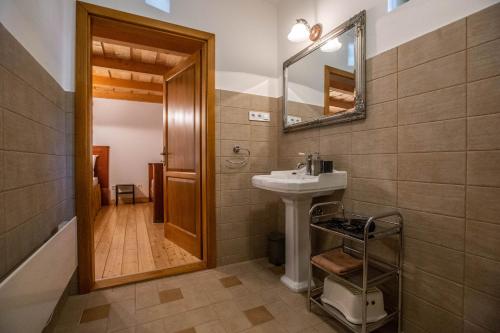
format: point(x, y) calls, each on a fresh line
point(259, 116)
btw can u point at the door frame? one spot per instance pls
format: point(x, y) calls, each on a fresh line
point(83, 143)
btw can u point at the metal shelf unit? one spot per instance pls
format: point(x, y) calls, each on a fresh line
point(374, 271)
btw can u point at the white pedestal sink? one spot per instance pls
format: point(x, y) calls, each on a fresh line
point(297, 189)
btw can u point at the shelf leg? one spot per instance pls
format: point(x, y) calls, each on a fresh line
point(296, 243)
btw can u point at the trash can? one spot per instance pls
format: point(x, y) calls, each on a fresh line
point(276, 248)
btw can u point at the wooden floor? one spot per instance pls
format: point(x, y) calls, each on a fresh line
point(126, 241)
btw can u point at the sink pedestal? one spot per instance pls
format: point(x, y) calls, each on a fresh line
point(297, 189)
point(297, 242)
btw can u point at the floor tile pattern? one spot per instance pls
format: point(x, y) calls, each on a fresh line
point(243, 297)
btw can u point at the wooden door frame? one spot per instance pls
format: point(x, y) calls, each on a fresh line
point(83, 142)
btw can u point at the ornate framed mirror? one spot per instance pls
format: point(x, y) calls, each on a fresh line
point(325, 83)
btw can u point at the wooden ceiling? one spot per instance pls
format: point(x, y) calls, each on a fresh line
point(129, 62)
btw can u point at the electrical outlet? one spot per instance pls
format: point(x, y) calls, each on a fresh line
point(259, 116)
point(293, 120)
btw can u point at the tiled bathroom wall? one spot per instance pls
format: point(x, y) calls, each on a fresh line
point(36, 148)
point(430, 147)
point(245, 215)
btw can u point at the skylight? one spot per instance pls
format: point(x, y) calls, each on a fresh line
point(393, 4)
point(163, 5)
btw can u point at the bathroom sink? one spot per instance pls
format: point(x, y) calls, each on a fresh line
point(296, 182)
point(296, 190)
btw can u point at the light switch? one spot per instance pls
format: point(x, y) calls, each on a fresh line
point(259, 116)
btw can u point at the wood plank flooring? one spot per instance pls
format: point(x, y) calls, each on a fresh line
point(126, 241)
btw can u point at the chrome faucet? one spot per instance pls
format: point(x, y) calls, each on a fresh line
point(308, 163)
point(312, 163)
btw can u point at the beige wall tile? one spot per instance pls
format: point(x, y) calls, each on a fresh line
point(261, 164)
point(369, 209)
point(410, 327)
point(473, 328)
point(378, 116)
point(436, 229)
point(483, 132)
point(226, 147)
point(374, 191)
point(380, 166)
point(449, 264)
point(232, 115)
point(432, 198)
point(263, 133)
point(483, 97)
point(258, 196)
point(448, 135)
point(232, 230)
point(483, 168)
point(236, 99)
point(335, 129)
point(441, 42)
point(380, 141)
point(235, 197)
point(263, 103)
point(237, 181)
point(436, 290)
point(296, 146)
point(21, 205)
point(483, 203)
point(233, 214)
point(432, 167)
point(381, 90)
point(1, 127)
point(483, 26)
point(447, 103)
point(217, 96)
point(235, 132)
point(3, 223)
point(335, 144)
point(263, 148)
point(482, 274)
point(482, 309)
point(483, 239)
point(436, 74)
point(430, 317)
point(382, 64)
point(483, 61)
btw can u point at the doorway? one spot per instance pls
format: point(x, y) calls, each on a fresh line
point(125, 232)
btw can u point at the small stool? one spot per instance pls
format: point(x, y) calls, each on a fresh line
point(124, 189)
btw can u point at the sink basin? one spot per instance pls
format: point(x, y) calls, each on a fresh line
point(297, 182)
point(297, 189)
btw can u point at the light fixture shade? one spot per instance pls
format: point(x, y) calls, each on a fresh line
point(298, 33)
point(331, 46)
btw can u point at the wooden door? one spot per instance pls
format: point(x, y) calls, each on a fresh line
point(182, 160)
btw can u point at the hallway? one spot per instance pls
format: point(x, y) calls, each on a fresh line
point(127, 242)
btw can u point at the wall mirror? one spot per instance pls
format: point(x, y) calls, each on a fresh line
point(325, 83)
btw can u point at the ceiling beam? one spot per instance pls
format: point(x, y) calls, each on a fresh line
point(127, 65)
point(129, 84)
point(128, 96)
point(119, 33)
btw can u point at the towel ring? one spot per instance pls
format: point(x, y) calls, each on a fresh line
point(241, 162)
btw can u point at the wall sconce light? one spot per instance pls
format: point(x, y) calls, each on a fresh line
point(301, 31)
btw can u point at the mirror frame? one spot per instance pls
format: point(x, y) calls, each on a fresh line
point(358, 21)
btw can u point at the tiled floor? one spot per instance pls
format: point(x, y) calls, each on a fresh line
point(245, 297)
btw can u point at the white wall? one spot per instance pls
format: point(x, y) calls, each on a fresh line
point(133, 130)
point(384, 30)
point(251, 41)
point(245, 31)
